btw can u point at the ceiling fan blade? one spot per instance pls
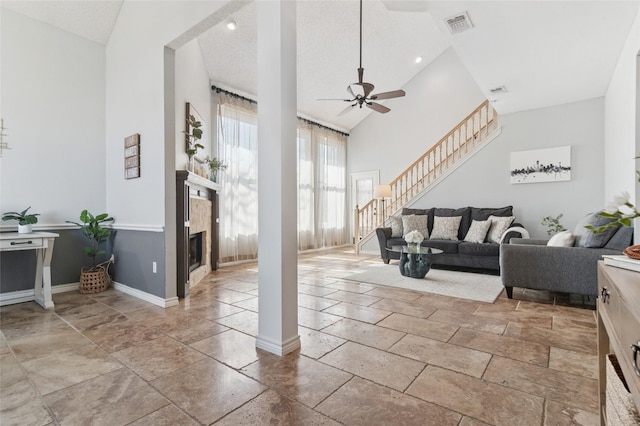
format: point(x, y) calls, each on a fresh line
point(378, 107)
point(347, 109)
point(335, 99)
point(351, 91)
point(388, 95)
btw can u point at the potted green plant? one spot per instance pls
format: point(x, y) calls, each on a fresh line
point(553, 224)
point(96, 278)
point(193, 134)
point(214, 165)
point(25, 220)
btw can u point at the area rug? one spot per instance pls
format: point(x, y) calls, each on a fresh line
point(465, 285)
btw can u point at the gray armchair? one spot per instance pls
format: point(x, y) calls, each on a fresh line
point(532, 264)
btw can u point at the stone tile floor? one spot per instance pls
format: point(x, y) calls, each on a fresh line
point(371, 355)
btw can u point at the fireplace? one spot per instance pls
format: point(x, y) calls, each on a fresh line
point(195, 251)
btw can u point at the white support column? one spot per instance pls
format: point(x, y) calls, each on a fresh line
point(277, 192)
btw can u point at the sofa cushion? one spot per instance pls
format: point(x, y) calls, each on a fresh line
point(447, 246)
point(585, 238)
point(465, 222)
point(476, 249)
point(562, 239)
point(445, 228)
point(396, 226)
point(395, 242)
point(414, 222)
point(498, 226)
point(477, 231)
point(484, 213)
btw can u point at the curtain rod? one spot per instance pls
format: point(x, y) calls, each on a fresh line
point(235, 95)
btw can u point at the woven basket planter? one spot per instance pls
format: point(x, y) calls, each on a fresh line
point(94, 280)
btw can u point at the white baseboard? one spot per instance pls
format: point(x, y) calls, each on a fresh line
point(278, 348)
point(158, 301)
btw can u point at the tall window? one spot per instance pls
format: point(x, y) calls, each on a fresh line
point(321, 183)
point(321, 187)
point(238, 149)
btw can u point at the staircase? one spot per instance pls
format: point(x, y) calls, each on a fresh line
point(434, 165)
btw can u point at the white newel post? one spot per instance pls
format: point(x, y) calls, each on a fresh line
point(277, 191)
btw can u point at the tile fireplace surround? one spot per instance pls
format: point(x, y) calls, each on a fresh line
point(196, 211)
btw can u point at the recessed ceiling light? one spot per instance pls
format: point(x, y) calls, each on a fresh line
point(418, 59)
point(232, 25)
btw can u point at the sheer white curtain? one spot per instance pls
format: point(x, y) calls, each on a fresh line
point(322, 181)
point(238, 149)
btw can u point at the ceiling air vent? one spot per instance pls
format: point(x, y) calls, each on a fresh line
point(458, 23)
point(500, 89)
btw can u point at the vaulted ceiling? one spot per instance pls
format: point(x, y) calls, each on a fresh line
point(543, 52)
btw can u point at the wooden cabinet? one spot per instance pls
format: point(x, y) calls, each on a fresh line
point(619, 330)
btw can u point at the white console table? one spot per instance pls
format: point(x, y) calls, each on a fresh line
point(42, 242)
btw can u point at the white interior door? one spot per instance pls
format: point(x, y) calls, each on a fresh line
point(362, 185)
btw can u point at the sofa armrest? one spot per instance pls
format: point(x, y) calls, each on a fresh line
point(516, 230)
point(564, 269)
point(383, 235)
point(529, 241)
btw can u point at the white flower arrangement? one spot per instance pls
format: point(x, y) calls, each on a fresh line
point(620, 209)
point(414, 237)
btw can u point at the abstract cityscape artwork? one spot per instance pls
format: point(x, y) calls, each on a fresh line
point(541, 165)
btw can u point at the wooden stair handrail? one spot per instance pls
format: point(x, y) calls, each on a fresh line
point(429, 167)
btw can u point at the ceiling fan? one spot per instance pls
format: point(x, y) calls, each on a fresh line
point(361, 91)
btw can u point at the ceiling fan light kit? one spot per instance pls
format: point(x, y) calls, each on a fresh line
point(361, 91)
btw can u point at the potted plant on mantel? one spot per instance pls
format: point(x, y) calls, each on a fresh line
point(25, 221)
point(95, 279)
point(193, 134)
point(214, 165)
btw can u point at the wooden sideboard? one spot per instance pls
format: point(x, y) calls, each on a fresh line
point(619, 330)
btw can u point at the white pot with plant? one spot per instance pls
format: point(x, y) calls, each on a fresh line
point(214, 165)
point(25, 220)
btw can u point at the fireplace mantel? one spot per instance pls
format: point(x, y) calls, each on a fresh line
point(191, 188)
point(197, 180)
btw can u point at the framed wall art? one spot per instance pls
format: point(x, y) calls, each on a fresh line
point(541, 165)
point(132, 156)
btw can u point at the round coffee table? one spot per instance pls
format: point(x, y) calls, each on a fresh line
point(415, 262)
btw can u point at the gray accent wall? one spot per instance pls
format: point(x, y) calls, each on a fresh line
point(135, 253)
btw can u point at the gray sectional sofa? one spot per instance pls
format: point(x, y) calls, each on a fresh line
point(457, 253)
point(568, 269)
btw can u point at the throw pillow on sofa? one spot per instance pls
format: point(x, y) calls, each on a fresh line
point(445, 228)
point(585, 238)
point(396, 226)
point(477, 231)
point(562, 239)
point(415, 222)
point(499, 224)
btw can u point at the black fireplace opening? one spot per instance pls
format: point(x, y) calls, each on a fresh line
point(195, 251)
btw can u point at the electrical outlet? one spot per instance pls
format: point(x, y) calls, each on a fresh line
point(155, 267)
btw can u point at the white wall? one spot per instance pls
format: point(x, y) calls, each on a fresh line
point(135, 102)
point(437, 99)
point(192, 85)
point(53, 105)
point(622, 123)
